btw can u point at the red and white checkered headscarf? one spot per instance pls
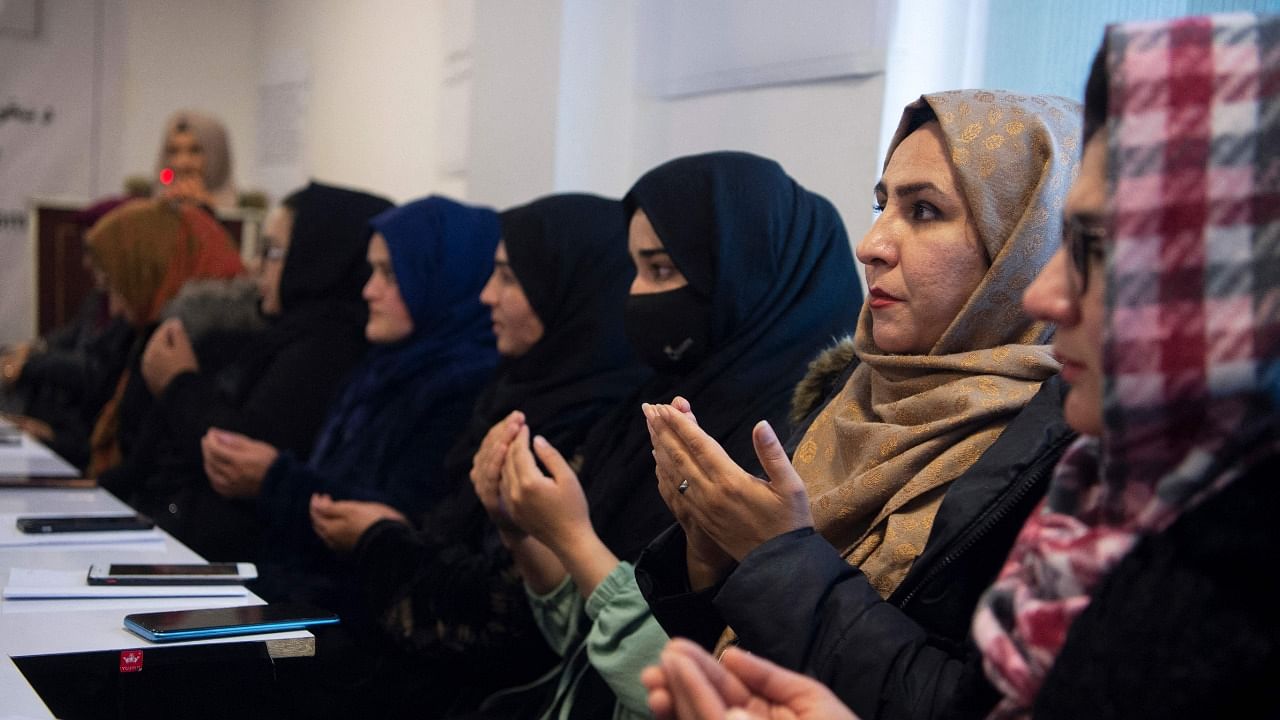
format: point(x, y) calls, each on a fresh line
point(1192, 341)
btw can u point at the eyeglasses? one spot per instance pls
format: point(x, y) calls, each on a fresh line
point(1083, 240)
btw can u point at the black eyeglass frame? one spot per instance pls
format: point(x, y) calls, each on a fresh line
point(1083, 240)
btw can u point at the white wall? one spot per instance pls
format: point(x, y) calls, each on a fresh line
point(174, 55)
point(584, 119)
point(375, 73)
point(515, 86)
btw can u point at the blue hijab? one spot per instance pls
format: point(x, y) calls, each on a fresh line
point(442, 255)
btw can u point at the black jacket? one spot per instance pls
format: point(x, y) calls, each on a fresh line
point(796, 601)
point(1185, 626)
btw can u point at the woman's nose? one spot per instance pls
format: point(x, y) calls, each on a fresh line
point(1049, 296)
point(879, 244)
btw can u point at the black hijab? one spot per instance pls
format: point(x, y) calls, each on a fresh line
point(775, 263)
point(325, 269)
point(569, 253)
point(323, 275)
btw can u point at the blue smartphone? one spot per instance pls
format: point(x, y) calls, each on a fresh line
point(173, 625)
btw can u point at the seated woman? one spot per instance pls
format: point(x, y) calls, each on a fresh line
point(931, 446)
point(389, 430)
point(146, 250)
point(275, 389)
point(1132, 591)
point(741, 276)
point(59, 383)
point(1135, 591)
point(446, 594)
point(196, 154)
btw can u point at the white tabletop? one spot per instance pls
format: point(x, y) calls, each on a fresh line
point(29, 458)
point(48, 627)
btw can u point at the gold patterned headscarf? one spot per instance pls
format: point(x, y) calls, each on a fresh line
point(878, 459)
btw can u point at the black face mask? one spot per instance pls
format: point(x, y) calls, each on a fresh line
point(670, 331)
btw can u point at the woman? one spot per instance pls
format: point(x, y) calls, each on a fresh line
point(194, 164)
point(446, 595)
point(932, 446)
point(61, 381)
point(274, 389)
point(146, 250)
point(388, 432)
point(741, 275)
point(1135, 590)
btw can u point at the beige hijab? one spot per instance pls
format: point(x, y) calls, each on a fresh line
point(878, 458)
point(217, 153)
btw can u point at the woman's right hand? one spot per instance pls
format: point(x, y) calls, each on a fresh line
point(236, 464)
point(12, 362)
point(708, 562)
point(190, 189)
point(486, 471)
point(688, 684)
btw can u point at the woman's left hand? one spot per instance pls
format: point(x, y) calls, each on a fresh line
point(552, 509)
point(340, 523)
point(167, 355)
point(739, 511)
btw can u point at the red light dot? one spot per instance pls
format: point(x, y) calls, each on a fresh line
point(166, 176)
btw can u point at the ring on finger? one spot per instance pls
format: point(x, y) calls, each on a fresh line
point(683, 487)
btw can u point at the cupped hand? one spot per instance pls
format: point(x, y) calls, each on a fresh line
point(12, 362)
point(188, 188)
point(486, 471)
point(37, 429)
point(736, 510)
point(688, 684)
point(236, 464)
point(340, 523)
point(167, 355)
point(707, 561)
point(552, 508)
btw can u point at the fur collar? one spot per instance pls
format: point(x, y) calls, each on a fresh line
point(816, 386)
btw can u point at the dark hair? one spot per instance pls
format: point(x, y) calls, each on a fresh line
point(293, 200)
point(1095, 95)
point(920, 116)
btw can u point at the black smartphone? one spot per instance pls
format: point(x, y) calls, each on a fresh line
point(172, 574)
point(83, 523)
point(175, 625)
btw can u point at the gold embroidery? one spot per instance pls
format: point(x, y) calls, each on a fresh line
point(994, 115)
point(906, 551)
point(960, 156)
point(1015, 127)
point(993, 142)
point(807, 451)
point(971, 132)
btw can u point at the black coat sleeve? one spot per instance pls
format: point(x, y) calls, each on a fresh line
point(796, 601)
point(458, 603)
point(284, 408)
point(662, 573)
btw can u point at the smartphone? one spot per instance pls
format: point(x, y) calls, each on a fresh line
point(220, 622)
point(151, 574)
point(83, 523)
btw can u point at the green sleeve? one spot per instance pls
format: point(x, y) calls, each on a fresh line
point(624, 639)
